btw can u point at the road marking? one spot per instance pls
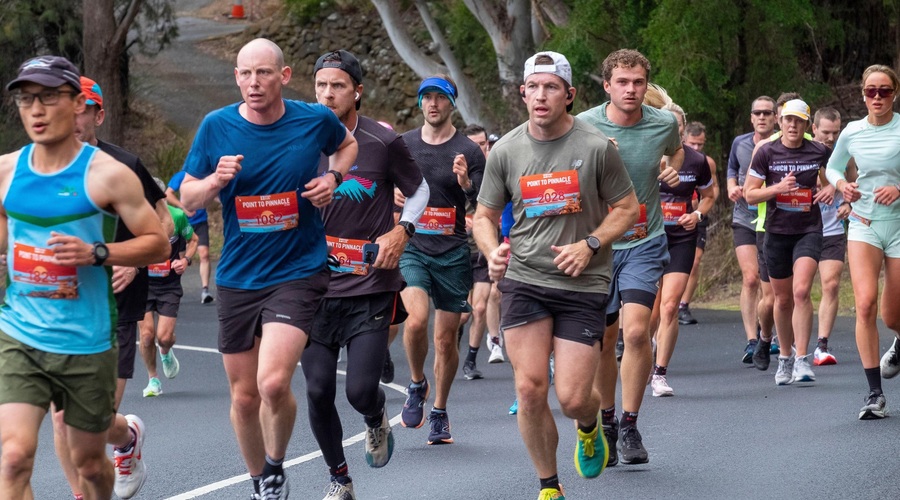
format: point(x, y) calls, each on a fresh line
point(203, 490)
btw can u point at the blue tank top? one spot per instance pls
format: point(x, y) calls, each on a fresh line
point(55, 308)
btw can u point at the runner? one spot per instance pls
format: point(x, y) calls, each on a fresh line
point(363, 293)
point(59, 212)
point(874, 233)
point(260, 157)
point(644, 135)
point(561, 174)
point(436, 263)
point(199, 220)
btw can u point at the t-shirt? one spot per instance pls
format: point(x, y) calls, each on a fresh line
point(738, 163)
point(132, 301)
point(200, 215)
point(272, 234)
point(641, 147)
point(876, 151)
point(560, 192)
point(443, 225)
point(694, 174)
point(161, 273)
point(831, 226)
point(362, 208)
point(794, 212)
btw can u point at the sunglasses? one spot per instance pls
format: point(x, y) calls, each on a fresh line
point(883, 92)
point(762, 112)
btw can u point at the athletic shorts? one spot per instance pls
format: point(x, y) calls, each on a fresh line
point(636, 273)
point(701, 236)
point(339, 319)
point(782, 250)
point(761, 256)
point(479, 268)
point(84, 385)
point(242, 313)
point(447, 278)
point(743, 235)
point(834, 247)
point(881, 234)
point(164, 300)
point(681, 257)
point(202, 231)
point(126, 336)
point(577, 316)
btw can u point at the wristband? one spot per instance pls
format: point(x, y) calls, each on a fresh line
point(338, 177)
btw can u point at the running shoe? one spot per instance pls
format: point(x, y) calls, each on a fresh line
point(552, 494)
point(206, 298)
point(611, 433)
point(775, 349)
point(514, 408)
point(413, 414)
point(685, 317)
point(387, 371)
point(631, 446)
point(660, 386)
point(170, 364)
point(822, 356)
point(875, 407)
point(338, 491)
point(496, 350)
point(274, 487)
point(785, 373)
point(890, 362)
point(440, 428)
point(255, 496)
point(470, 372)
point(748, 351)
point(802, 370)
point(591, 452)
point(762, 355)
point(379, 443)
point(153, 389)
point(131, 471)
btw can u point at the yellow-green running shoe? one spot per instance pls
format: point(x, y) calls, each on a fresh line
point(591, 452)
point(552, 494)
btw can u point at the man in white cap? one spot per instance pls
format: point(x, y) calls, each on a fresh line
point(561, 174)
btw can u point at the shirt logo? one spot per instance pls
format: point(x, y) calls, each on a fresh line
point(355, 188)
point(282, 316)
point(67, 191)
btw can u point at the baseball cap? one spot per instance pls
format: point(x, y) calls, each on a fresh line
point(91, 90)
point(797, 108)
point(342, 60)
point(49, 71)
point(560, 66)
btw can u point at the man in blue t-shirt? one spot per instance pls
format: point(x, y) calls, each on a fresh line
point(260, 157)
point(200, 223)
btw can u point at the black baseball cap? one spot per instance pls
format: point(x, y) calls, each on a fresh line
point(49, 71)
point(343, 60)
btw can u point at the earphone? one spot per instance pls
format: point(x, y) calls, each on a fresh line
point(356, 98)
point(569, 94)
point(522, 93)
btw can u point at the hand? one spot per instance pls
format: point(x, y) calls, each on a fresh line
point(573, 258)
point(787, 184)
point(886, 195)
point(614, 141)
point(391, 245)
point(688, 221)
point(670, 176)
point(70, 251)
point(122, 277)
point(735, 193)
point(189, 213)
point(227, 169)
point(179, 266)
point(498, 261)
point(825, 195)
point(461, 169)
point(399, 199)
point(468, 224)
point(320, 190)
point(843, 211)
point(850, 191)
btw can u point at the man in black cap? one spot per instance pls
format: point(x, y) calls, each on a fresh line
point(364, 291)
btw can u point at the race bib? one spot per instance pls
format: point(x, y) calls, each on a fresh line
point(37, 274)
point(672, 211)
point(161, 270)
point(547, 195)
point(267, 213)
point(639, 230)
point(350, 255)
point(795, 201)
point(437, 221)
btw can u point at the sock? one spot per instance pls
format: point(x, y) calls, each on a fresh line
point(472, 354)
point(608, 415)
point(683, 305)
point(273, 467)
point(629, 418)
point(435, 409)
point(551, 482)
point(659, 370)
point(78, 496)
point(130, 445)
point(256, 480)
point(206, 289)
point(340, 471)
point(416, 385)
point(873, 375)
point(822, 343)
point(344, 480)
point(373, 421)
point(587, 430)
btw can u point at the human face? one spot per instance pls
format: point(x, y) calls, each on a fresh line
point(481, 139)
point(546, 96)
point(50, 124)
point(626, 88)
point(335, 90)
point(696, 142)
point(260, 78)
point(880, 108)
point(437, 108)
point(86, 124)
point(827, 131)
point(793, 128)
point(762, 116)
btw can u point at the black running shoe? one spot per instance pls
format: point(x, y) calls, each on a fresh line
point(631, 447)
point(748, 351)
point(470, 372)
point(875, 407)
point(762, 355)
point(612, 437)
point(685, 317)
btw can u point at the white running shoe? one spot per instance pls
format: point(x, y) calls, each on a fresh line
point(131, 472)
point(496, 350)
point(338, 491)
point(823, 357)
point(153, 389)
point(785, 373)
point(379, 443)
point(170, 364)
point(802, 371)
point(660, 386)
point(890, 362)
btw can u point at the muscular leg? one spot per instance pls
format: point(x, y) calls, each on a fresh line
point(363, 371)
point(636, 360)
point(694, 278)
point(480, 294)
point(889, 312)
point(19, 426)
point(607, 370)
point(147, 331)
point(203, 250)
point(865, 266)
point(804, 272)
point(60, 443)
point(667, 335)
point(279, 352)
point(830, 275)
point(784, 312)
point(319, 365)
point(750, 283)
point(765, 309)
point(88, 454)
point(415, 331)
point(165, 333)
point(446, 354)
point(241, 369)
point(493, 311)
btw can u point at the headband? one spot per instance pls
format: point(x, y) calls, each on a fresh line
point(435, 84)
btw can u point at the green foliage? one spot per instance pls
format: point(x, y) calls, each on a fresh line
point(304, 10)
point(473, 48)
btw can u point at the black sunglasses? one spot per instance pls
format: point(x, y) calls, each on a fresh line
point(883, 92)
point(762, 112)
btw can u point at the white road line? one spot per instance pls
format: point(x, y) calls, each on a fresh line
point(203, 490)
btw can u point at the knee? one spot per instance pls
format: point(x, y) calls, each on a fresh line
point(415, 325)
point(244, 404)
point(866, 309)
point(16, 461)
point(363, 399)
point(802, 295)
point(635, 337)
point(93, 469)
point(275, 388)
point(531, 392)
point(166, 339)
point(148, 336)
point(574, 406)
point(891, 319)
point(480, 309)
point(669, 309)
point(445, 345)
point(750, 280)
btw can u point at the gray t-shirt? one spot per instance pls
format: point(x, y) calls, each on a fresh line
point(641, 147)
point(560, 192)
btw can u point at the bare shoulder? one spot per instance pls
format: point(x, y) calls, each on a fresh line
point(7, 167)
point(109, 180)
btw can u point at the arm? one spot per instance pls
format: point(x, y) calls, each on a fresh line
point(320, 190)
point(180, 265)
point(669, 173)
point(392, 243)
point(484, 229)
point(836, 171)
point(756, 193)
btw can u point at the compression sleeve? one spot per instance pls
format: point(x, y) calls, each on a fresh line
point(415, 204)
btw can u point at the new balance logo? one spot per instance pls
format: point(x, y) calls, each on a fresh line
point(282, 316)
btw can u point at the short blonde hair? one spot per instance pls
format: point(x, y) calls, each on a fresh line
point(881, 68)
point(656, 96)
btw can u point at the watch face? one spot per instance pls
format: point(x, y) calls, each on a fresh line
point(101, 251)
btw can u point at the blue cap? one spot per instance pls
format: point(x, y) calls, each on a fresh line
point(436, 84)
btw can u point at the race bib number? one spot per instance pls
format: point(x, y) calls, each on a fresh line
point(161, 270)
point(437, 221)
point(672, 211)
point(795, 201)
point(36, 273)
point(349, 254)
point(639, 230)
point(267, 213)
point(548, 195)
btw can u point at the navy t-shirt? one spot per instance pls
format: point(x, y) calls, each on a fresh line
point(695, 173)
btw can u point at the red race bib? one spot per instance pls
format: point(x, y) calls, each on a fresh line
point(795, 201)
point(349, 253)
point(267, 213)
point(437, 221)
point(547, 195)
point(37, 274)
point(672, 211)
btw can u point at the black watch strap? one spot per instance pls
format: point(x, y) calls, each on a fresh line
point(409, 227)
point(338, 177)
